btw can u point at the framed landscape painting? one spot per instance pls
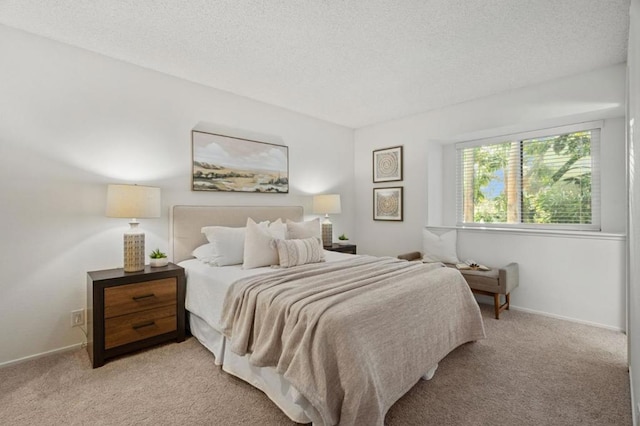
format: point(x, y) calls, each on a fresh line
point(387, 164)
point(230, 164)
point(387, 203)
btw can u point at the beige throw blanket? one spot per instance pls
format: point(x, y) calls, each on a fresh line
point(352, 336)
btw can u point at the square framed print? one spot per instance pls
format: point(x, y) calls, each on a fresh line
point(231, 164)
point(387, 203)
point(387, 164)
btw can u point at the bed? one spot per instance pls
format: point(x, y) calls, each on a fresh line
point(351, 336)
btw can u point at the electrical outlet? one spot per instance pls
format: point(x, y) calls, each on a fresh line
point(77, 318)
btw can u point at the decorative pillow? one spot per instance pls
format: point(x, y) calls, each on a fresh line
point(205, 252)
point(259, 249)
point(439, 248)
point(228, 244)
point(302, 230)
point(277, 229)
point(299, 252)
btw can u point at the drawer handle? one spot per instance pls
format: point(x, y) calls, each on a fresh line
point(144, 296)
point(143, 324)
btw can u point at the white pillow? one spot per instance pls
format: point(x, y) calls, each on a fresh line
point(299, 252)
point(277, 229)
point(301, 230)
point(439, 248)
point(228, 244)
point(204, 253)
point(259, 247)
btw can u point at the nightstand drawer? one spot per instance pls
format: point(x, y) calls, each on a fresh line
point(126, 299)
point(140, 325)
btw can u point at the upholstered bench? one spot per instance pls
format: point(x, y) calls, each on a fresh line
point(494, 282)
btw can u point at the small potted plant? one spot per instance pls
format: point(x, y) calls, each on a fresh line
point(158, 258)
point(343, 239)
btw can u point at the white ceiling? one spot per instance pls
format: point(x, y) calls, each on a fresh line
point(351, 62)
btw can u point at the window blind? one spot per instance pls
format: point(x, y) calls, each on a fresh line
point(543, 179)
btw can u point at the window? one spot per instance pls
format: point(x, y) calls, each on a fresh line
point(544, 179)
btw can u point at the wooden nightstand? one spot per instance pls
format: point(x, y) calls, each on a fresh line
point(342, 248)
point(127, 311)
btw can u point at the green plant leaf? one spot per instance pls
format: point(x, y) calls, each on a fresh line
point(157, 254)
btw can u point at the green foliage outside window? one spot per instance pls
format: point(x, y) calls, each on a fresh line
point(546, 180)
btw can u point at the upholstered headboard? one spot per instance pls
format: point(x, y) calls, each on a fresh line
point(186, 222)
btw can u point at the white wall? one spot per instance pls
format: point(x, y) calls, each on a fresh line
point(71, 122)
point(633, 146)
point(569, 286)
point(569, 276)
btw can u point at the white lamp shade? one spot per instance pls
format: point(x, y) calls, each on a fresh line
point(133, 201)
point(327, 204)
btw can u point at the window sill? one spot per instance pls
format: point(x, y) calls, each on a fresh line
point(594, 235)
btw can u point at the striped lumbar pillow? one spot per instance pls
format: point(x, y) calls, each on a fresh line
point(299, 252)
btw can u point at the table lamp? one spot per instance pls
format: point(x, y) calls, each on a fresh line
point(133, 201)
point(327, 204)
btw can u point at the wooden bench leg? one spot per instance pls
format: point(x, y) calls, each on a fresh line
point(497, 307)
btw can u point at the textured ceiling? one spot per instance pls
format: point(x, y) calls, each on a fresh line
point(354, 62)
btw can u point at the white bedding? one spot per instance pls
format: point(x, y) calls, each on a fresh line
point(207, 285)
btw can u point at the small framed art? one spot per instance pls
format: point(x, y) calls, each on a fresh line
point(387, 203)
point(387, 164)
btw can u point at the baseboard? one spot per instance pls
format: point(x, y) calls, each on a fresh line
point(42, 355)
point(489, 301)
point(546, 314)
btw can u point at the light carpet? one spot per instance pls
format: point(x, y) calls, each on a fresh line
point(531, 370)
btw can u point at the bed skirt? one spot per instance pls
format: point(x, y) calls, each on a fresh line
point(274, 385)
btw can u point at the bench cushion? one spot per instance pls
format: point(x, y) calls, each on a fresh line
point(482, 280)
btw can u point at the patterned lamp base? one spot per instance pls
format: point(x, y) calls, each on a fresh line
point(133, 249)
point(327, 233)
